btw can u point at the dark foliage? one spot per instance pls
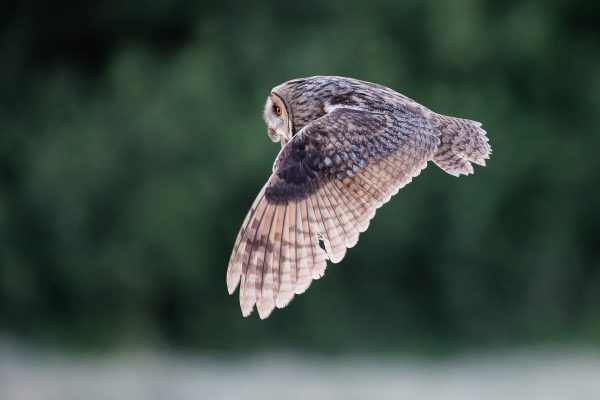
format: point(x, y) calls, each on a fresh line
point(132, 145)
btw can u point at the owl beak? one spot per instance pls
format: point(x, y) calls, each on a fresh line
point(273, 135)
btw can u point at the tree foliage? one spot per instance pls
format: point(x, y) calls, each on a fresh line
point(132, 145)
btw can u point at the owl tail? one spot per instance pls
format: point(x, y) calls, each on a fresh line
point(462, 142)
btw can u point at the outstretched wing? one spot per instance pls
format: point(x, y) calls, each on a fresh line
point(327, 183)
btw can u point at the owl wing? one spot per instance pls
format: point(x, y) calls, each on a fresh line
point(326, 185)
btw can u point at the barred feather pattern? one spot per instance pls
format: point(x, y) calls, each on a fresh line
point(462, 142)
point(351, 146)
point(277, 253)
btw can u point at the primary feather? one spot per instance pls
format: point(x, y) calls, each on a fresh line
point(347, 147)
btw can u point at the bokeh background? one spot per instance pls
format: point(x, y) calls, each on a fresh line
point(132, 145)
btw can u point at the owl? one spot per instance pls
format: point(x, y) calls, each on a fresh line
point(347, 146)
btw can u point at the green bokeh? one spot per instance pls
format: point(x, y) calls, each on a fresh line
point(132, 145)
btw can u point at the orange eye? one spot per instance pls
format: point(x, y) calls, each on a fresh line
point(278, 111)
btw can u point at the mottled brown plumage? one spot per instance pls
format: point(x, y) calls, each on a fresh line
point(347, 147)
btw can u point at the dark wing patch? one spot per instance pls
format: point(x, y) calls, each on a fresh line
point(326, 185)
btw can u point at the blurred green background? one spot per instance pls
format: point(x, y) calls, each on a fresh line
point(132, 145)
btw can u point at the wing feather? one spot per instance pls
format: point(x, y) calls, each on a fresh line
point(278, 240)
point(342, 214)
point(353, 210)
point(372, 185)
point(331, 230)
point(293, 255)
point(360, 209)
point(234, 269)
point(265, 302)
point(302, 251)
point(247, 289)
point(285, 293)
point(318, 227)
point(319, 255)
point(321, 230)
point(327, 184)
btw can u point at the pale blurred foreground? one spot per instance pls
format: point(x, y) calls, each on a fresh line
point(547, 375)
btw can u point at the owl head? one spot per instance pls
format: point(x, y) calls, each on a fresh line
point(278, 119)
point(295, 103)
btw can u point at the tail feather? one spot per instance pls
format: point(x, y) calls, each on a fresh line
point(462, 142)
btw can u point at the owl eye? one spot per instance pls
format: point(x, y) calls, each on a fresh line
point(278, 111)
